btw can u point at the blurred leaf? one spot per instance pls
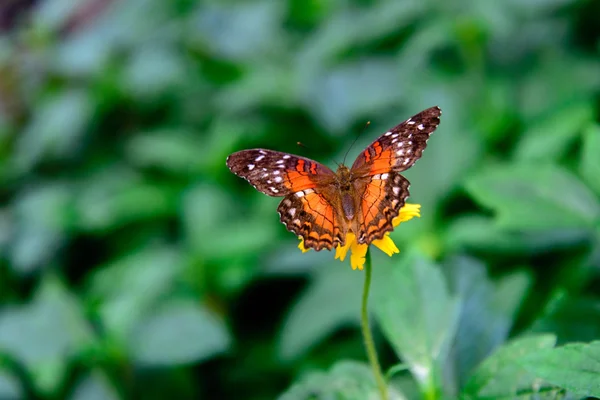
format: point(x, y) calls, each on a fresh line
point(348, 380)
point(527, 196)
point(154, 71)
point(41, 217)
point(10, 387)
point(55, 130)
point(44, 334)
point(488, 309)
point(239, 31)
point(178, 333)
point(331, 301)
point(172, 150)
point(215, 230)
point(417, 315)
point(94, 386)
point(129, 287)
point(574, 366)
point(590, 161)
point(502, 376)
point(52, 15)
point(476, 233)
point(117, 196)
point(353, 90)
point(550, 139)
point(571, 319)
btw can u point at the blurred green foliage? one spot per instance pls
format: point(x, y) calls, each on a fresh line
point(134, 265)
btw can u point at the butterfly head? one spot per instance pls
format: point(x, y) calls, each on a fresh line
point(343, 177)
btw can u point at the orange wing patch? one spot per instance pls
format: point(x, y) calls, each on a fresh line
point(383, 197)
point(308, 214)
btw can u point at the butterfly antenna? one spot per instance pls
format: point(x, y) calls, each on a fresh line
point(355, 139)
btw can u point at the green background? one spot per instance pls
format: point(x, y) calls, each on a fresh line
point(133, 264)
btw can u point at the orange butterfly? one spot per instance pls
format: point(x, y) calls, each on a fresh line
point(322, 206)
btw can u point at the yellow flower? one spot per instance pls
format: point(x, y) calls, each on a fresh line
point(385, 244)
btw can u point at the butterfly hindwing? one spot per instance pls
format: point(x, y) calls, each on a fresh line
point(383, 197)
point(400, 147)
point(309, 214)
point(278, 174)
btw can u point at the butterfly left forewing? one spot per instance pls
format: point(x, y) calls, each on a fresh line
point(278, 174)
point(306, 209)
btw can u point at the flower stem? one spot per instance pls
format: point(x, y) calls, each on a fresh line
point(366, 331)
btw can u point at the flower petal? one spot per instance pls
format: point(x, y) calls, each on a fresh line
point(357, 258)
point(301, 245)
point(387, 245)
point(408, 211)
point(342, 251)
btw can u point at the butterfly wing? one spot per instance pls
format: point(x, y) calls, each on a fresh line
point(306, 209)
point(309, 214)
point(376, 173)
point(278, 174)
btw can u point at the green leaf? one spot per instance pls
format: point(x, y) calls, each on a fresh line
point(42, 216)
point(488, 309)
point(590, 159)
point(573, 319)
point(501, 375)
point(44, 334)
point(346, 380)
point(116, 196)
point(179, 333)
point(130, 286)
point(574, 366)
point(476, 233)
point(417, 314)
point(94, 386)
point(528, 196)
point(10, 387)
point(331, 301)
point(550, 138)
point(55, 130)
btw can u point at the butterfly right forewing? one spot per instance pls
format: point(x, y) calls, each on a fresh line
point(376, 173)
point(400, 147)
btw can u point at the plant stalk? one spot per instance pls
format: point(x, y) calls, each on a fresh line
point(366, 331)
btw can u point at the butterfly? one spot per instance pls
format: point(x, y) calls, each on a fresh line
point(322, 206)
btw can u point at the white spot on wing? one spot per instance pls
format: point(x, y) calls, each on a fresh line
point(286, 157)
point(400, 152)
point(396, 190)
point(420, 127)
point(410, 122)
point(259, 158)
point(406, 161)
point(276, 172)
point(262, 152)
point(280, 162)
point(300, 194)
point(384, 176)
point(278, 179)
point(308, 191)
point(394, 136)
point(274, 190)
point(378, 176)
point(394, 140)
point(292, 211)
point(250, 167)
point(388, 133)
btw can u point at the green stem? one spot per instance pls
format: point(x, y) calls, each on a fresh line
point(366, 331)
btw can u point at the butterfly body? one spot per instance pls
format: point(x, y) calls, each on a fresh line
point(323, 206)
